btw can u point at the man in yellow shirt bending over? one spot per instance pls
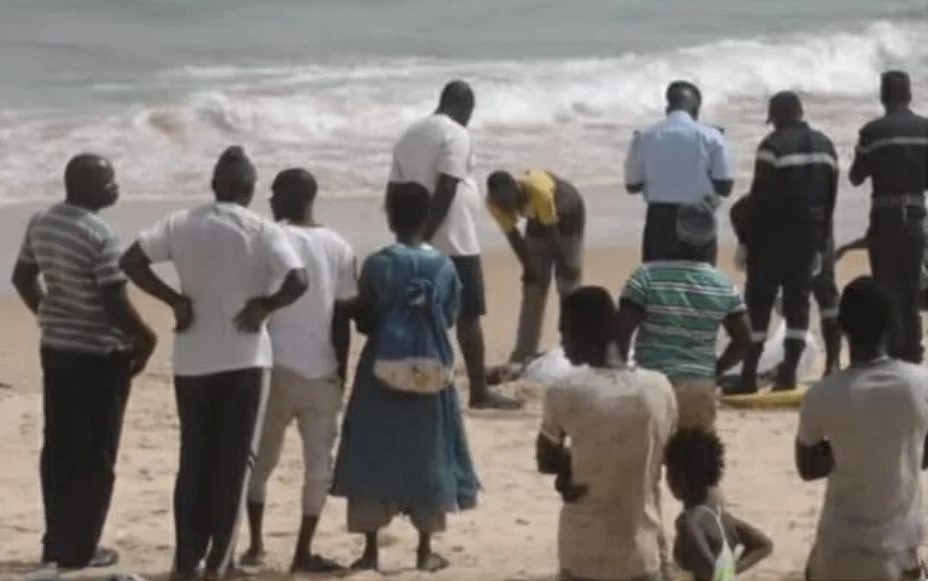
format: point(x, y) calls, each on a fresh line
point(552, 242)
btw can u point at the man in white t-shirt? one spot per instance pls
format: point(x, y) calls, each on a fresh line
point(229, 261)
point(618, 420)
point(864, 428)
point(437, 153)
point(311, 339)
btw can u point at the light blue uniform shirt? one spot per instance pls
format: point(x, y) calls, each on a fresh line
point(677, 159)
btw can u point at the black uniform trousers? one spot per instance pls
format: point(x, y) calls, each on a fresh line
point(896, 243)
point(659, 241)
point(84, 401)
point(774, 267)
point(221, 416)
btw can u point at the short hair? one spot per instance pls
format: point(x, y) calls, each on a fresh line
point(588, 313)
point(294, 189)
point(866, 313)
point(501, 180)
point(698, 456)
point(456, 93)
point(234, 173)
point(79, 171)
point(895, 87)
point(407, 205)
point(678, 90)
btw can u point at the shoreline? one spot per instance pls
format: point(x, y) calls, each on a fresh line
point(512, 534)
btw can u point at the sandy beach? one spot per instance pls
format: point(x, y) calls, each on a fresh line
point(511, 536)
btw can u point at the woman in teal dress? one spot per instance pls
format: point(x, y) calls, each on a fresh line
point(403, 453)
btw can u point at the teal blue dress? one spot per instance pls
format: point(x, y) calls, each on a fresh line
point(402, 450)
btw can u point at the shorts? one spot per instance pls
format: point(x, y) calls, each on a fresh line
point(696, 402)
point(473, 295)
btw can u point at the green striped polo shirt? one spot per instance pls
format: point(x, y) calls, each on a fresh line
point(685, 304)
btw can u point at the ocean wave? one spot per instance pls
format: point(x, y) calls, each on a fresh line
point(341, 118)
point(378, 98)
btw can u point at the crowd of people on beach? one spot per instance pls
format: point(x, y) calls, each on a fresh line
point(263, 312)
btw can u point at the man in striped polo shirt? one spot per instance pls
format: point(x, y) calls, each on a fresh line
point(677, 306)
point(92, 343)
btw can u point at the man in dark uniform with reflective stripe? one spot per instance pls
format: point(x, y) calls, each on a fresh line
point(893, 152)
point(789, 210)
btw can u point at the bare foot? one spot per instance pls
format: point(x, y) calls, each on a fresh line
point(431, 562)
point(253, 557)
point(366, 563)
point(314, 564)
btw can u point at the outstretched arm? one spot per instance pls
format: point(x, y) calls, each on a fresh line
point(859, 244)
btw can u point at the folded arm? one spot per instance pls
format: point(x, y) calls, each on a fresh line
point(757, 545)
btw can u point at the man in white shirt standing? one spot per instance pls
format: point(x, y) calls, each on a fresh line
point(311, 339)
point(437, 153)
point(228, 260)
point(676, 162)
point(864, 428)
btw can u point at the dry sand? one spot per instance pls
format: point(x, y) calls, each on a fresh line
point(510, 536)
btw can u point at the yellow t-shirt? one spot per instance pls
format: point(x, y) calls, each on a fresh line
point(540, 187)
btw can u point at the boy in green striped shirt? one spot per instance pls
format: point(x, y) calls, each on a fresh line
point(677, 306)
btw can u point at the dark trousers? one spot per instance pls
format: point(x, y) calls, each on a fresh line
point(84, 402)
point(220, 425)
point(659, 241)
point(770, 269)
point(824, 285)
point(896, 242)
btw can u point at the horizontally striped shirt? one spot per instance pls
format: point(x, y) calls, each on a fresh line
point(684, 304)
point(77, 253)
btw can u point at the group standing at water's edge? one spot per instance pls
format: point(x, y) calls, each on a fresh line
point(252, 289)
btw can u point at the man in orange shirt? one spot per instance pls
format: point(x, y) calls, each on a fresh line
point(552, 243)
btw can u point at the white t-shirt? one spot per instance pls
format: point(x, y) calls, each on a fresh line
point(440, 145)
point(301, 333)
point(224, 255)
point(875, 418)
point(618, 422)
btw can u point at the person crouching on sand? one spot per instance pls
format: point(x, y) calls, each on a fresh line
point(677, 307)
point(552, 243)
point(403, 448)
point(618, 420)
point(710, 544)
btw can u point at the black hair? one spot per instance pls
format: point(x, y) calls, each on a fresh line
point(589, 313)
point(407, 205)
point(294, 190)
point(501, 180)
point(234, 175)
point(697, 457)
point(679, 92)
point(866, 313)
point(456, 94)
point(80, 173)
point(895, 87)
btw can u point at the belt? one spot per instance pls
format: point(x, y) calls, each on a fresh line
point(903, 201)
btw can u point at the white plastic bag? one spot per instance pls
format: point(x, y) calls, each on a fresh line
point(773, 355)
